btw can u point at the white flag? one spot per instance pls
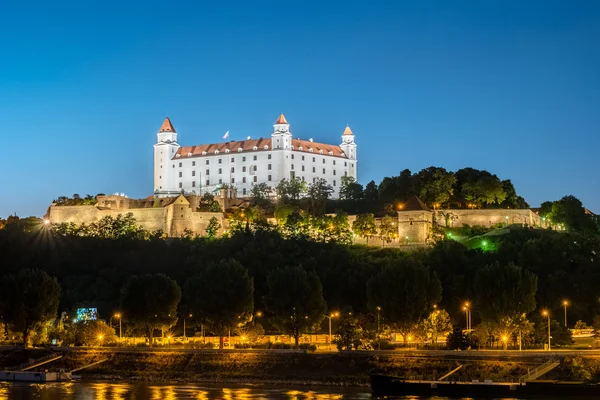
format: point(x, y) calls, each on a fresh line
point(226, 135)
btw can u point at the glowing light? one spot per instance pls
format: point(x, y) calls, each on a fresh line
point(100, 337)
point(46, 222)
point(545, 313)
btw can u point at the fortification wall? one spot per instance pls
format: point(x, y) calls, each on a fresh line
point(487, 218)
point(173, 219)
point(414, 226)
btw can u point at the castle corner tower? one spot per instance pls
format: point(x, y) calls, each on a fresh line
point(164, 151)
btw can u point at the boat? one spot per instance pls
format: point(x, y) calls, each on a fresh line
point(383, 385)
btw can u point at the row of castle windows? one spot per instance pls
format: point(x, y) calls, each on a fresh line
point(254, 169)
point(220, 161)
point(269, 178)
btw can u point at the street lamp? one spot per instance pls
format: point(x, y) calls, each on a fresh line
point(467, 310)
point(546, 313)
point(378, 338)
point(332, 315)
point(190, 315)
point(565, 303)
point(118, 315)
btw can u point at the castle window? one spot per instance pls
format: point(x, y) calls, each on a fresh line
point(239, 150)
point(177, 155)
point(180, 173)
point(217, 152)
point(193, 183)
point(334, 172)
point(193, 173)
point(220, 160)
point(333, 162)
point(243, 169)
point(180, 185)
point(244, 191)
point(269, 178)
point(244, 179)
point(330, 152)
point(313, 159)
point(189, 154)
point(220, 181)
point(179, 165)
point(232, 159)
point(323, 161)
point(254, 167)
point(302, 158)
point(334, 182)
point(266, 147)
point(160, 177)
point(300, 148)
point(207, 162)
point(323, 171)
point(292, 166)
point(203, 153)
point(254, 158)
point(345, 173)
point(269, 166)
point(232, 170)
point(244, 159)
point(292, 156)
point(255, 179)
point(321, 152)
point(207, 172)
point(303, 168)
point(352, 165)
point(314, 169)
point(311, 150)
point(345, 164)
point(207, 182)
point(226, 150)
point(302, 179)
point(269, 156)
point(220, 170)
point(232, 180)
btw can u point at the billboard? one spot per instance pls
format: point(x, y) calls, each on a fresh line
point(86, 314)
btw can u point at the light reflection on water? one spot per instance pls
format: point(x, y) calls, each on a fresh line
point(143, 391)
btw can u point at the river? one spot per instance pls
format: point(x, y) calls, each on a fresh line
point(150, 391)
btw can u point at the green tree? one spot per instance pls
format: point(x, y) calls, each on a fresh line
point(503, 293)
point(405, 291)
point(149, 302)
point(209, 204)
point(290, 190)
point(457, 340)
point(570, 214)
point(350, 335)
point(27, 298)
point(213, 227)
point(350, 189)
point(485, 189)
point(436, 185)
point(222, 294)
point(260, 194)
point(318, 192)
point(295, 299)
point(371, 193)
point(365, 226)
point(436, 324)
point(92, 333)
point(388, 228)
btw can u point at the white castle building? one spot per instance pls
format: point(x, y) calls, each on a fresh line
point(243, 164)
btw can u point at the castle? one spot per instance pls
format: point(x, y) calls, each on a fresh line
point(206, 168)
point(229, 170)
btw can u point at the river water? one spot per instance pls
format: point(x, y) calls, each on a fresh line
point(149, 391)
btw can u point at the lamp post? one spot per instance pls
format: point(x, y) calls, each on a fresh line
point(118, 315)
point(332, 315)
point(565, 303)
point(190, 315)
point(467, 310)
point(378, 338)
point(546, 313)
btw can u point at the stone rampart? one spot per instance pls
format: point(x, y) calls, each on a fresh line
point(487, 218)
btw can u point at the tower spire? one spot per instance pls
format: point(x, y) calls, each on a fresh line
point(281, 119)
point(347, 131)
point(167, 126)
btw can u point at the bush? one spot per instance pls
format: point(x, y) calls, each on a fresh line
point(308, 347)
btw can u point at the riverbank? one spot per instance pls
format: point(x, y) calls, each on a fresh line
point(300, 368)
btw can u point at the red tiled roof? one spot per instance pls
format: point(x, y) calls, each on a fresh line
point(259, 144)
point(281, 119)
point(167, 126)
point(348, 131)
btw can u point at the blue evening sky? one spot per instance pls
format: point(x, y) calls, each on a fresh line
point(508, 86)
